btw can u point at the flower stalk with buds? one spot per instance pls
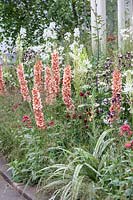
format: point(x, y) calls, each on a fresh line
point(56, 72)
point(37, 107)
point(66, 89)
point(49, 86)
point(115, 107)
point(23, 83)
point(2, 84)
point(38, 67)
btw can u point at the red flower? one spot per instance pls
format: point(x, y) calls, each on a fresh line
point(25, 118)
point(85, 120)
point(125, 127)
point(81, 94)
point(51, 123)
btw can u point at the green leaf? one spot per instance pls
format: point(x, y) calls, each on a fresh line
point(101, 144)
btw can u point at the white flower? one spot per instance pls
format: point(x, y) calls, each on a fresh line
point(52, 25)
point(54, 35)
point(61, 49)
point(72, 55)
point(36, 32)
point(128, 71)
point(76, 32)
point(128, 88)
point(48, 33)
point(81, 47)
point(44, 56)
point(1, 30)
point(73, 45)
point(82, 70)
point(37, 48)
point(67, 36)
point(105, 121)
point(22, 32)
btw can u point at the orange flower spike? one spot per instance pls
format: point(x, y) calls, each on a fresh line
point(56, 71)
point(23, 83)
point(38, 67)
point(115, 107)
point(2, 84)
point(117, 84)
point(49, 86)
point(66, 89)
point(37, 107)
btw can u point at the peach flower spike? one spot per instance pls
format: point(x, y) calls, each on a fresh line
point(23, 83)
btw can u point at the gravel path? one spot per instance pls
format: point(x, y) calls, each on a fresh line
point(7, 192)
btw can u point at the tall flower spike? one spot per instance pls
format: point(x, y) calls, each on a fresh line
point(66, 89)
point(49, 86)
point(116, 96)
point(23, 83)
point(56, 71)
point(37, 107)
point(38, 67)
point(2, 84)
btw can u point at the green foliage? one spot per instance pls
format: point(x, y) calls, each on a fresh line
point(80, 155)
point(66, 14)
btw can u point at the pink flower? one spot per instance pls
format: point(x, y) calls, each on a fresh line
point(37, 107)
point(128, 145)
point(121, 133)
point(56, 72)
point(130, 133)
point(125, 127)
point(23, 83)
point(66, 89)
point(2, 84)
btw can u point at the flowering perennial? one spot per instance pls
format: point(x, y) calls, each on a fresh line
point(125, 129)
point(129, 145)
point(37, 107)
point(116, 96)
point(38, 67)
point(27, 121)
point(49, 86)
point(2, 84)
point(23, 83)
point(56, 72)
point(66, 89)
